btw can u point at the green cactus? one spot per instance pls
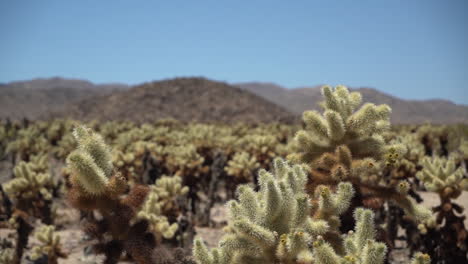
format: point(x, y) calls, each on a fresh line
point(242, 166)
point(361, 131)
point(273, 225)
point(420, 258)
point(440, 140)
point(349, 144)
point(49, 245)
point(28, 183)
point(97, 187)
point(158, 204)
point(7, 256)
point(441, 175)
point(360, 246)
point(29, 141)
point(179, 160)
point(91, 161)
point(279, 224)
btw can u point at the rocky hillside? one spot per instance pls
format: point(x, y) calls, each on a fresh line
point(404, 111)
point(194, 99)
point(40, 97)
point(185, 99)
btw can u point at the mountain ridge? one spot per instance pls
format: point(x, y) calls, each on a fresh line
point(42, 98)
point(298, 100)
point(186, 99)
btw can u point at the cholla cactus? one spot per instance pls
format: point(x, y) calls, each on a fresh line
point(96, 186)
point(91, 162)
point(130, 152)
point(360, 131)
point(272, 225)
point(439, 140)
point(441, 175)
point(406, 166)
point(360, 246)
point(29, 141)
point(329, 206)
point(366, 175)
point(27, 184)
point(64, 146)
point(182, 160)
point(159, 203)
point(242, 166)
point(169, 188)
point(279, 224)
point(264, 147)
point(7, 256)
point(420, 258)
point(345, 144)
point(49, 245)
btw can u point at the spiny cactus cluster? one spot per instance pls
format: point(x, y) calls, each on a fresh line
point(442, 175)
point(277, 224)
point(360, 246)
point(361, 130)
point(347, 143)
point(439, 140)
point(268, 226)
point(160, 203)
point(28, 183)
point(133, 220)
point(242, 166)
point(7, 256)
point(92, 163)
point(30, 192)
point(129, 207)
point(49, 245)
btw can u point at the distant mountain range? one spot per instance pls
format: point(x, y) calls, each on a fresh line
point(194, 99)
point(403, 111)
point(185, 99)
point(39, 98)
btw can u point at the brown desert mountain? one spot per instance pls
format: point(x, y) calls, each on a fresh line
point(40, 97)
point(194, 99)
point(185, 99)
point(403, 111)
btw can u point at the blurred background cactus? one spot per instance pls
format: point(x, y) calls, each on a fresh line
point(446, 236)
point(49, 246)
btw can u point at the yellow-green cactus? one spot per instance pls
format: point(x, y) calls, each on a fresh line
point(360, 246)
point(242, 166)
point(182, 160)
point(440, 140)
point(91, 162)
point(29, 141)
point(27, 183)
point(420, 258)
point(441, 175)
point(49, 244)
point(361, 131)
point(168, 189)
point(7, 256)
point(64, 146)
point(272, 225)
point(160, 200)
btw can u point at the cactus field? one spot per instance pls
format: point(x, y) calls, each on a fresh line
point(343, 186)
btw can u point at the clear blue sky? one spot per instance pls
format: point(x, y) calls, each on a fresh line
point(412, 49)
